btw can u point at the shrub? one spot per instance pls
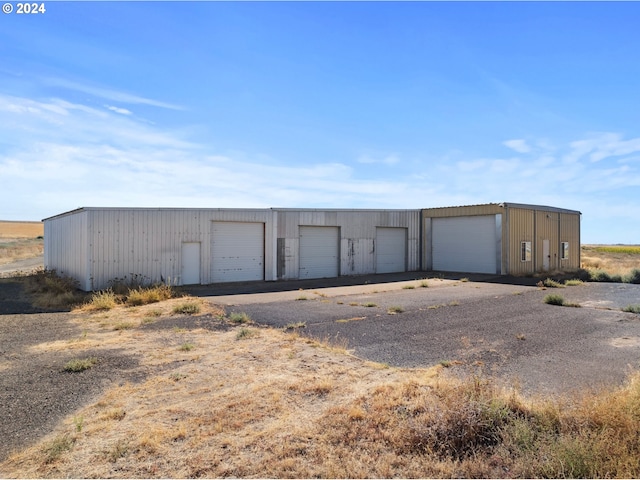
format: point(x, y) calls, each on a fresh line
point(296, 325)
point(54, 449)
point(554, 299)
point(550, 283)
point(50, 281)
point(147, 295)
point(245, 333)
point(603, 276)
point(633, 277)
point(632, 309)
point(103, 300)
point(573, 282)
point(395, 309)
point(187, 308)
point(369, 304)
point(80, 364)
point(240, 317)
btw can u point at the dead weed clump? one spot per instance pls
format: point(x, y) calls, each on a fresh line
point(51, 289)
point(133, 297)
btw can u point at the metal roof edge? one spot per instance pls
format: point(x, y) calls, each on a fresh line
point(544, 208)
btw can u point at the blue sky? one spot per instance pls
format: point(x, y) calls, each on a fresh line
point(332, 104)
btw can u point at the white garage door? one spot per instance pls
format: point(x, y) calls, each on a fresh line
point(464, 244)
point(391, 249)
point(319, 252)
point(237, 251)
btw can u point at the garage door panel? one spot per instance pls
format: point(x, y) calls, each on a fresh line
point(319, 252)
point(237, 252)
point(391, 249)
point(464, 244)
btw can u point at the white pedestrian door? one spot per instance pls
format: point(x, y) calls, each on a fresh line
point(391, 249)
point(237, 251)
point(319, 252)
point(190, 263)
point(546, 256)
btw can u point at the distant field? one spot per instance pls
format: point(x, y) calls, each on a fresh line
point(21, 229)
point(626, 249)
point(614, 259)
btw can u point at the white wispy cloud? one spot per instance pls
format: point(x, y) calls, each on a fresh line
point(519, 145)
point(121, 111)
point(109, 94)
point(388, 160)
point(598, 146)
point(60, 155)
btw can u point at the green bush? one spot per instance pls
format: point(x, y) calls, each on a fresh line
point(80, 364)
point(551, 283)
point(554, 299)
point(188, 308)
point(239, 317)
point(602, 276)
point(633, 277)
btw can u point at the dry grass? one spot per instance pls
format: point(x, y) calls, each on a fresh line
point(20, 240)
point(615, 260)
point(15, 249)
point(21, 229)
point(259, 402)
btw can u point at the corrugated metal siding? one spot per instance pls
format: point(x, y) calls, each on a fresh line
point(546, 225)
point(357, 237)
point(520, 222)
point(519, 229)
point(65, 247)
point(145, 244)
point(464, 211)
point(570, 232)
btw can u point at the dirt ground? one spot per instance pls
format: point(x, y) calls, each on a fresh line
point(505, 329)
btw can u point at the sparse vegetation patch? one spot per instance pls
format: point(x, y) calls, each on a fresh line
point(295, 326)
point(187, 308)
point(554, 299)
point(80, 364)
point(240, 317)
point(632, 309)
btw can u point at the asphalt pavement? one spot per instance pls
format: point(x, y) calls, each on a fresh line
point(480, 326)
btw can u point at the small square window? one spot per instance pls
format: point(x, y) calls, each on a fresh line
point(525, 251)
point(564, 251)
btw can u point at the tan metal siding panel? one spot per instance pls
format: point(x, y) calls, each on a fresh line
point(520, 230)
point(546, 225)
point(570, 232)
point(465, 211)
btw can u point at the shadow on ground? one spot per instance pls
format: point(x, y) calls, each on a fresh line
point(241, 288)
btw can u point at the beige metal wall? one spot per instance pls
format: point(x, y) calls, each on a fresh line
point(570, 232)
point(518, 229)
point(522, 223)
point(357, 237)
point(464, 211)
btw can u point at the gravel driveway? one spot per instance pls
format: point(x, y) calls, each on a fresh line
point(35, 391)
point(505, 331)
